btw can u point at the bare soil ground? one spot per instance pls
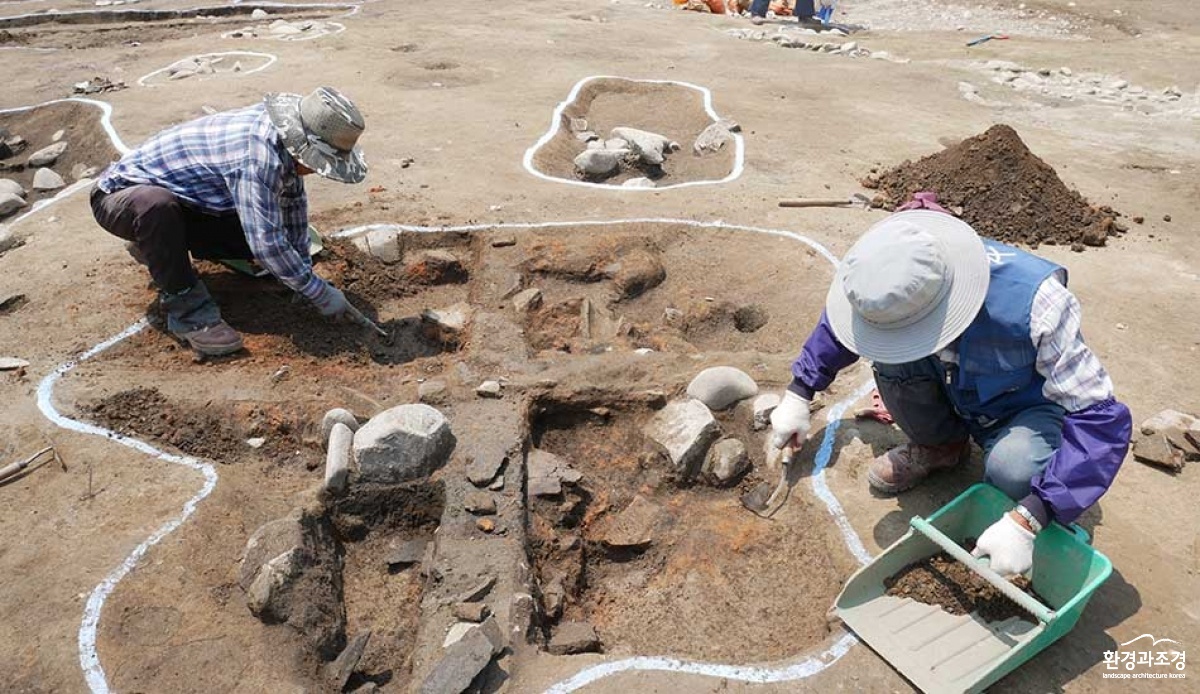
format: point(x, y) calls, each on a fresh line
point(452, 101)
point(87, 143)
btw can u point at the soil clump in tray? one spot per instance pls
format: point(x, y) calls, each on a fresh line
point(994, 183)
point(941, 580)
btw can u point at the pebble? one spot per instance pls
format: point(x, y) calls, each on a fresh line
point(471, 611)
point(259, 13)
point(486, 525)
point(579, 125)
point(432, 392)
point(640, 182)
point(527, 300)
point(47, 155)
point(449, 322)
point(504, 241)
point(12, 363)
point(58, 135)
point(488, 389)
point(256, 442)
point(47, 179)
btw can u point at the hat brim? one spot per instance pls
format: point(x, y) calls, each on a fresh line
point(932, 333)
point(344, 167)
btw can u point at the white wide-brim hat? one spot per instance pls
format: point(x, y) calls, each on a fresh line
point(908, 287)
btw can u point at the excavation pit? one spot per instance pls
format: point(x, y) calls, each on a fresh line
point(662, 566)
point(677, 111)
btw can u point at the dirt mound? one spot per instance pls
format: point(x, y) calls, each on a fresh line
point(951, 585)
point(205, 432)
point(995, 184)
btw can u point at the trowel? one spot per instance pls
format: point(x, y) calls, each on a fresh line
point(764, 501)
point(358, 317)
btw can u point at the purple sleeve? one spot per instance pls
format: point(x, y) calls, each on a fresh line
point(924, 200)
point(820, 360)
point(1094, 442)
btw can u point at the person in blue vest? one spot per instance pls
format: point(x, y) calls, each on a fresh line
point(969, 339)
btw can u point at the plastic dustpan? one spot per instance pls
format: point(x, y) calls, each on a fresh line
point(940, 652)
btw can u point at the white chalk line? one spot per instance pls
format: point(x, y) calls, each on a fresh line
point(351, 7)
point(270, 60)
point(556, 125)
point(89, 660)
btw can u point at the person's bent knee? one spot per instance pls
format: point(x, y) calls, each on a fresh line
point(1014, 460)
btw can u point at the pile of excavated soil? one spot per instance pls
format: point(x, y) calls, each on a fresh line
point(951, 585)
point(207, 432)
point(1003, 190)
point(670, 110)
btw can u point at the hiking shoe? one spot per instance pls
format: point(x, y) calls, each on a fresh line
point(904, 466)
point(216, 340)
point(758, 21)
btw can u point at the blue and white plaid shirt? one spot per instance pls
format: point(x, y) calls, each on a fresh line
point(232, 162)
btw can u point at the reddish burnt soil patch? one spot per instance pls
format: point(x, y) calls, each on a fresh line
point(87, 143)
point(951, 585)
point(707, 563)
point(214, 432)
point(1003, 190)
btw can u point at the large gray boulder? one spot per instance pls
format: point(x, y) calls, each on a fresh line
point(401, 444)
point(7, 185)
point(649, 146)
point(598, 163)
point(720, 387)
point(684, 430)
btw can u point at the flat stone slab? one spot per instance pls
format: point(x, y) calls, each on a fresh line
point(406, 552)
point(636, 525)
point(574, 637)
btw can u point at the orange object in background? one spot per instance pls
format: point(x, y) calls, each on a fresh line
point(782, 8)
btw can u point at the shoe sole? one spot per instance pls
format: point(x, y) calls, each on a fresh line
point(218, 352)
point(888, 488)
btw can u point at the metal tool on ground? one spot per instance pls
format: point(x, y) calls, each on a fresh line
point(358, 317)
point(856, 200)
point(940, 652)
point(14, 469)
point(762, 500)
point(989, 37)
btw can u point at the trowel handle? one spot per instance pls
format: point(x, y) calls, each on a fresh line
point(1035, 608)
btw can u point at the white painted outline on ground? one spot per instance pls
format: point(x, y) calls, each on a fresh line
point(89, 658)
point(222, 54)
point(351, 8)
point(556, 125)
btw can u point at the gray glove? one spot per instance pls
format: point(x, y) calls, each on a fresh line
point(331, 302)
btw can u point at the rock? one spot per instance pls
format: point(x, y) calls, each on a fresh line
point(1168, 419)
point(650, 147)
point(432, 392)
point(763, 406)
point(1189, 446)
point(338, 458)
point(46, 155)
point(684, 429)
point(456, 632)
point(545, 473)
point(292, 574)
point(337, 416)
point(640, 182)
point(368, 688)
point(587, 136)
point(578, 125)
point(504, 241)
point(486, 525)
point(280, 27)
point(635, 526)
point(81, 171)
point(480, 503)
point(10, 203)
point(338, 672)
point(47, 179)
point(616, 144)
point(12, 363)
point(598, 163)
point(725, 462)
point(384, 244)
point(635, 273)
point(554, 598)
point(1003, 65)
point(484, 466)
point(471, 611)
point(527, 300)
point(460, 664)
point(11, 187)
point(574, 637)
point(406, 552)
point(7, 243)
point(713, 138)
point(402, 443)
point(1155, 450)
point(259, 13)
point(720, 387)
point(447, 324)
point(476, 592)
point(256, 442)
point(435, 267)
point(488, 389)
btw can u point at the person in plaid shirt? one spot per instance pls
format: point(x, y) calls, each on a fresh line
point(230, 186)
point(969, 339)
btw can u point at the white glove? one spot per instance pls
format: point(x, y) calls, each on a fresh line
point(790, 421)
point(1009, 545)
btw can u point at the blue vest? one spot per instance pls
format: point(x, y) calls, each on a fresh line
point(997, 375)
